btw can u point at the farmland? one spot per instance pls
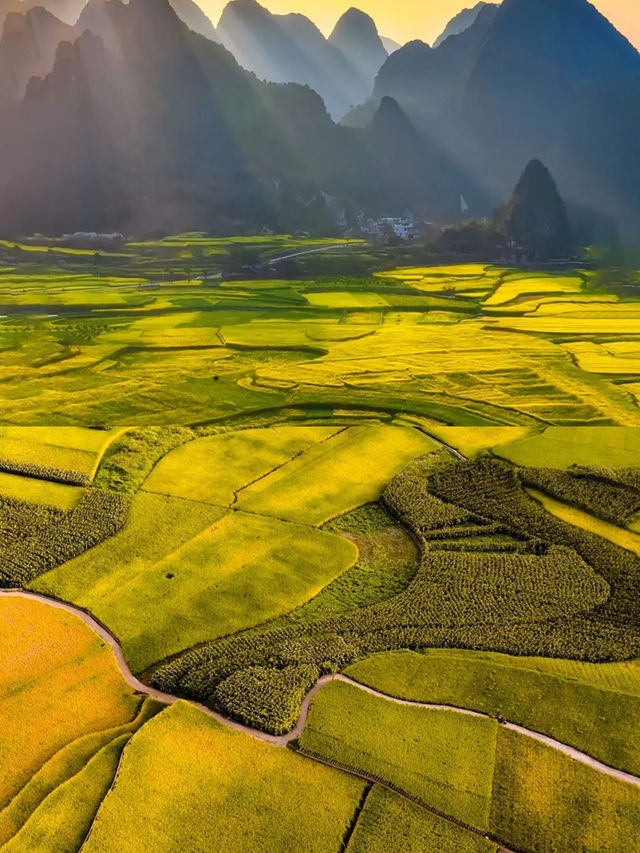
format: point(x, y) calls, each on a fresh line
point(242, 565)
point(170, 332)
point(423, 479)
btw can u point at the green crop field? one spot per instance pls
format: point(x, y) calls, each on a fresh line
point(389, 822)
point(544, 800)
point(445, 759)
point(592, 707)
point(255, 474)
point(169, 329)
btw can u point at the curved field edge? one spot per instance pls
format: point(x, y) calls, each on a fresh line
point(591, 707)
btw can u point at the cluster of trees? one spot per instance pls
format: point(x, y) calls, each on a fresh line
point(567, 593)
point(611, 495)
point(37, 538)
point(43, 472)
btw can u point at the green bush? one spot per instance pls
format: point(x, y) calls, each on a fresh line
point(264, 697)
point(36, 538)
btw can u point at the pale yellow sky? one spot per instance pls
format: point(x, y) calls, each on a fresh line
point(425, 19)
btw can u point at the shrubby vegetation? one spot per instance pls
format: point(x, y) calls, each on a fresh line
point(42, 472)
point(275, 694)
point(560, 592)
point(608, 494)
point(35, 538)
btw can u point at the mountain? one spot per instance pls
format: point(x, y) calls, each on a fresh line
point(192, 15)
point(357, 37)
point(390, 45)
point(7, 6)
point(425, 80)
point(413, 171)
point(562, 85)
point(535, 223)
point(65, 10)
point(290, 48)
point(461, 22)
point(28, 48)
point(152, 127)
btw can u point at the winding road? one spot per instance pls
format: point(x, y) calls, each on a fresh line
point(282, 740)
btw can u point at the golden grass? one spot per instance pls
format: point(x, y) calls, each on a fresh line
point(58, 682)
point(184, 776)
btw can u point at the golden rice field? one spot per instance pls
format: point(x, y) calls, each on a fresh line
point(457, 345)
point(235, 793)
point(58, 684)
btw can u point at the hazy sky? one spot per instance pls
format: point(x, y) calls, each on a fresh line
point(425, 19)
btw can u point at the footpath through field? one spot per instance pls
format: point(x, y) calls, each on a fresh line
point(283, 740)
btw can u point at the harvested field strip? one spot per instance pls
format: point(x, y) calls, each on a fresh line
point(626, 539)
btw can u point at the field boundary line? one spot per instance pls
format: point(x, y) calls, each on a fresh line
point(284, 740)
point(396, 789)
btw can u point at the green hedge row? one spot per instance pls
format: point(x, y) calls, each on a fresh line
point(34, 539)
point(42, 472)
point(595, 491)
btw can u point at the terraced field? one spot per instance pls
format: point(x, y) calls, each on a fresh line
point(237, 567)
point(166, 329)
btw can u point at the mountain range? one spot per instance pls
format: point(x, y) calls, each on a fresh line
point(156, 120)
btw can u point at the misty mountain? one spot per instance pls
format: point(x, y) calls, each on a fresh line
point(149, 126)
point(192, 15)
point(357, 37)
point(425, 80)
point(461, 22)
point(414, 171)
point(28, 47)
point(529, 79)
point(535, 223)
point(390, 45)
point(65, 10)
point(557, 82)
point(290, 48)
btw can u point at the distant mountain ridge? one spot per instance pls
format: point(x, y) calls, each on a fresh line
point(462, 21)
point(356, 36)
point(530, 79)
point(291, 49)
point(150, 126)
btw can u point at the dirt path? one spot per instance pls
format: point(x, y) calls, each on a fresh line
point(103, 632)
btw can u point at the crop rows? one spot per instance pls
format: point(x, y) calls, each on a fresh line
point(565, 592)
point(42, 472)
point(611, 496)
point(34, 538)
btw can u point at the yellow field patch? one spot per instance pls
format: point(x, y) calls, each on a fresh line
point(336, 476)
point(58, 681)
point(35, 491)
point(213, 469)
point(515, 288)
point(184, 772)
